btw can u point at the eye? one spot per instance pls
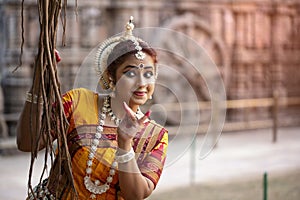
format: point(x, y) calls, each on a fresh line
point(130, 74)
point(148, 74)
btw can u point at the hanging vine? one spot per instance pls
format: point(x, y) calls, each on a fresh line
point(46, 86)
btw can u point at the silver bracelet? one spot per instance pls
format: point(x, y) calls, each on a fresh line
point(124, 158)
point(33, 98)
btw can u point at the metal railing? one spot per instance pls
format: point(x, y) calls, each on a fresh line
point(274, 103)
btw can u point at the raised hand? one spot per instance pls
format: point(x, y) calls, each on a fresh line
point(130, 125)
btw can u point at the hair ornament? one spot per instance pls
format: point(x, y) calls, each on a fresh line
point(129, 36)
point(107, 46)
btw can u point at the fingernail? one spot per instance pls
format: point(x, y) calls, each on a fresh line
point(148, 113)
point(57, 56)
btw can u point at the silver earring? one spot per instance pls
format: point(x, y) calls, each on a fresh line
point(112, 88)
point(112, 94)
point(150, 97)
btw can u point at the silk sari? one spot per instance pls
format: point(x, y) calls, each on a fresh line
point(81, 109)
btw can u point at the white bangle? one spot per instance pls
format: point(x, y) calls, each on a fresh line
point(33, 98)
point(124, 158)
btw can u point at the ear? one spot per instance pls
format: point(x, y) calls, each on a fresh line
point(155, 71)
point(104, 80)
point(110, 77)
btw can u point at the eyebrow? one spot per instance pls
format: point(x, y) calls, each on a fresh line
point(137, 67)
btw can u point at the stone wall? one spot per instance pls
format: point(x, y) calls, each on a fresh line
point(255, 43)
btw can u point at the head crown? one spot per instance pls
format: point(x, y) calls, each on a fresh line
point(107, 46)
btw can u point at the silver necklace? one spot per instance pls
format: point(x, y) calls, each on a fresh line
point(96, 187)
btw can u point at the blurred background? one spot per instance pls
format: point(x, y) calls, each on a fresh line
point(254, 43)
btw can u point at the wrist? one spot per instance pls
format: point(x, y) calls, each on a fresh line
point(33, 98)
point(124, 145)
point(123, 156)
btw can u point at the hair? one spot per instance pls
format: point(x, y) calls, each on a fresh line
point(122, 51)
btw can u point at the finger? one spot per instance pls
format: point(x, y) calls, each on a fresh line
point(129, 112)
point(146, 115)
point(57, 56)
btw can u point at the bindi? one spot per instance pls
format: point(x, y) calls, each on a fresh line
point(141, 66)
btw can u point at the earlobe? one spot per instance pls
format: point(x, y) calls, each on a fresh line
point(112, 87)
point(111, 81)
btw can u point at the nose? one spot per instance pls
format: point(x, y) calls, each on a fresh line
point(142, 81)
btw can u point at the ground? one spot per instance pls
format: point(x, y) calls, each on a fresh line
point(233, 170)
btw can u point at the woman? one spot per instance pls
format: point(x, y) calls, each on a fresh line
point(117, 151)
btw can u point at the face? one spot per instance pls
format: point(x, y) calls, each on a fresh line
point(135, 80)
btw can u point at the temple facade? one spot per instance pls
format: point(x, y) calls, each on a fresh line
point(255, 45)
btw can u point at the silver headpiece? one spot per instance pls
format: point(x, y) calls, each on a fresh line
point(107, 46)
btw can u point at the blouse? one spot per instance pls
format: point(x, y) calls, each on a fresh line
point(150, 146)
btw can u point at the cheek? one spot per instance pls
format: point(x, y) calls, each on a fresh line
point(151, 89)
point(125, 83)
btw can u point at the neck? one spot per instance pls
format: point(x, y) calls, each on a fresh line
point(134, 108)
point(117, 107)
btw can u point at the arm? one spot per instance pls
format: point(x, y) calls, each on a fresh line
point(132, 183)
point(28, 126)
point(29, 122)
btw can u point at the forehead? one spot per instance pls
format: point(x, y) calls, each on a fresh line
point(132, 60)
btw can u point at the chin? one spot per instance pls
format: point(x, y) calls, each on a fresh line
point(136, 101)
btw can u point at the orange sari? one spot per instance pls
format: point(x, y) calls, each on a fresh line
point(150, 145)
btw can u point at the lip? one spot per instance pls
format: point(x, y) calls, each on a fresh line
point(139, 93)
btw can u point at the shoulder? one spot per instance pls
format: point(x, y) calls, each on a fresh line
point(78, 93)
point(156, 131)
point(151, 137)
point(155, 124)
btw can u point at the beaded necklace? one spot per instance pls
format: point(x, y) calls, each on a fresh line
point(96, 187)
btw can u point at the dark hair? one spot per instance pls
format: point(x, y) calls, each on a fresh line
point(121, 52)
